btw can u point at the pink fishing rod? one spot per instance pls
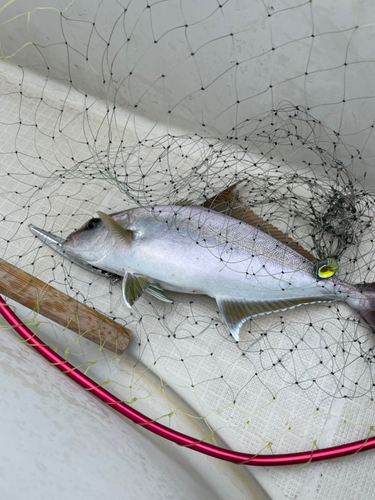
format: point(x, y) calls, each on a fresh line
point(167, 433)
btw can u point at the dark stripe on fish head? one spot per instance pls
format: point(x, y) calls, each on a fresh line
point(88, 243)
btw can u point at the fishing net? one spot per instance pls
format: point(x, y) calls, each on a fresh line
point(134, 104)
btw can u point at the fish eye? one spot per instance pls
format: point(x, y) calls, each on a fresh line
point(92, 224)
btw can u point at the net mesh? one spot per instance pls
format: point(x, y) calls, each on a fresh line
point(134, 104)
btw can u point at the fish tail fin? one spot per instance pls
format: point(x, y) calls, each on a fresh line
point(365, 304)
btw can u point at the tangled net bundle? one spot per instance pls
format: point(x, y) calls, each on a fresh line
point(296, 380)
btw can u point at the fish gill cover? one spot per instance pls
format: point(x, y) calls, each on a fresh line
point(95, 109)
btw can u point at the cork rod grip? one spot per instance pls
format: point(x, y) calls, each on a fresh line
point(64, 310)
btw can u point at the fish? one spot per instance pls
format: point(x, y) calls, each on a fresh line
point(196, 249)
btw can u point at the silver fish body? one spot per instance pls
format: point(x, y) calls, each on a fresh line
point(196, 250)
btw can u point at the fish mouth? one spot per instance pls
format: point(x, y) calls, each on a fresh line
point(55, 242)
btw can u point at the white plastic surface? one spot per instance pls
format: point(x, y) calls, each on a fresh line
point(58, 442)
point(177, 61)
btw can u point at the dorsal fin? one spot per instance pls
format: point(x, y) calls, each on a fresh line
point(227, 202)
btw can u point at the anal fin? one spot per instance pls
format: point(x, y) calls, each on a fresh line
point(236, 311)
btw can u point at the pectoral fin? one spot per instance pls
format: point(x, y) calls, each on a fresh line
point(158, 293)
point(115, 229)
point(236, 311)
point(133, 287)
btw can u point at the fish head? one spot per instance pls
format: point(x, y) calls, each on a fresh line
point(91, 242)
